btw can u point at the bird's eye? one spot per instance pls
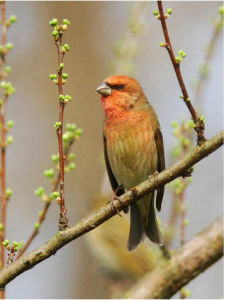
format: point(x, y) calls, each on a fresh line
point(116, 86)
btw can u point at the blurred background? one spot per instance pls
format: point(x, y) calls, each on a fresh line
point(92, 266)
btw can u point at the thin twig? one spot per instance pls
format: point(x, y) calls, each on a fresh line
point(63, 221)
point(64, 237)
point(3, 142)
point(199, 124)
point(46, 207)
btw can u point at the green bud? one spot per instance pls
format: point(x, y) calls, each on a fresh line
point(184, 54)
point(10, 124)
point(9, 139)
point(57, 125)
point(13, 19)
point(64, 27)
point(9, 46)
point(54, 195)
point(162, 44)
point(55, 81)
point(174, 124)
point(188, 99)
point(61, 66)
point(53, 22)
point(55, 158)
point(15, 243)
point(186, 222)
point(65, 75)
point(68, 97)
point(8, 192)
point(3, 84)
point(177, 151)
point(155, 12)
point(202, 118)
point(39, 191)
point(79, 131)
point(61, 97)
point(49, 173)
point(221, 10)
point(55, 33)
point(37, 225)
point(19, 246)
point(67, 136)
point(1, 226)
point(1, 48)
point(180, 52)
point(176, 131)
point(66, 22)
point(53, 76)
point(178, 59)
point(66, 47)
point(5, 242)
point(169, 11)
point(72, 166)
point(71, 156)
point(8, 69)
point(186, 142)
point(71, 127)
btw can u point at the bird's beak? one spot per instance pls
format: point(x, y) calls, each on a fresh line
point(104, 90)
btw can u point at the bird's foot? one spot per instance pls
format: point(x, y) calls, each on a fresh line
point(155, 176)
point(188, 172)
point(114, 209)
point(119, 190)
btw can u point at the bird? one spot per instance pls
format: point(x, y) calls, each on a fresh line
point(133, 151)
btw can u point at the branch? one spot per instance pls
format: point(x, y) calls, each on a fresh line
point(64, 237)
point(46, 206)
point(195, 257)
point(199, 124)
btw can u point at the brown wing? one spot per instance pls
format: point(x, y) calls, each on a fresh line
point(161, 165)
point(119, 190)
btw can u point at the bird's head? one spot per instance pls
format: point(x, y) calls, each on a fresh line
point(120, 94)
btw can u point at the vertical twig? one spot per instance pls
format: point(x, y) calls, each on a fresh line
point(46, 207)
point(63, 221)
point(3, 136)
point(199, 125)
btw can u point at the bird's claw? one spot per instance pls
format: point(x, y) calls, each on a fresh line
point(187, 172)
point(155, 176)
point(114, 209)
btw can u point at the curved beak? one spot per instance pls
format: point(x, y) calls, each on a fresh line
point(104, 90)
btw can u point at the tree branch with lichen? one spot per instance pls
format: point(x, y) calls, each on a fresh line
point(193, 258)
point(66, 236)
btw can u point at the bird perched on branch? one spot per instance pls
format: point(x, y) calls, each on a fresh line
point(133, 148)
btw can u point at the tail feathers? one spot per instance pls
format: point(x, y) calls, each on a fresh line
point(136, 228)
point(152, 228)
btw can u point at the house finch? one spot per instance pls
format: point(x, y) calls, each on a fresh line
point(133, 148)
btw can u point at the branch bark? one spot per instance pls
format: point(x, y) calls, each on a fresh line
point(64, 237)
point(170, 276)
